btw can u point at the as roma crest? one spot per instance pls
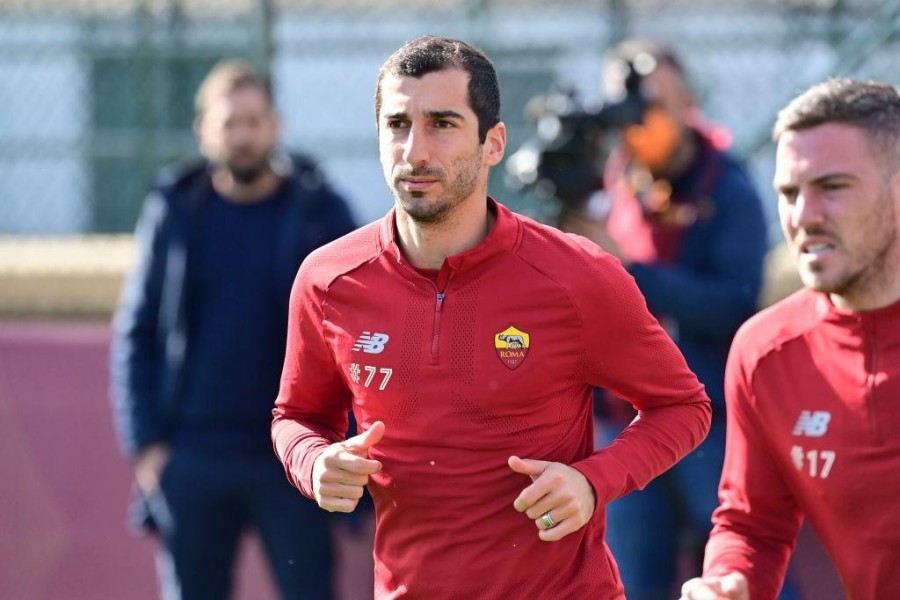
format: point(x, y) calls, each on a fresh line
point(512, 345)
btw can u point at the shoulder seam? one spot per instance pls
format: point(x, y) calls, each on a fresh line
point(771, 345)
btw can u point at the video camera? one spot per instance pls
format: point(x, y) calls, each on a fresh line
point(564, 160)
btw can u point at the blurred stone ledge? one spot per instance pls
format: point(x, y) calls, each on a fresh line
point(65, 276)
point(80, 276)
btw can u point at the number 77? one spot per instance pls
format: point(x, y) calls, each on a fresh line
point(384, 371)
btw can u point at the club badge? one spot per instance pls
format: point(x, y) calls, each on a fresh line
point(512, 346)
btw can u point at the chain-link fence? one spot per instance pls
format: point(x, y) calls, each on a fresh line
point(96, 94)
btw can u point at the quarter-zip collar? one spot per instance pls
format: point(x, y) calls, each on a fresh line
point(832, 314)
point(503, 237)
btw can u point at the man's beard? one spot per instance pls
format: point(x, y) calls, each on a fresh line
point(250, 173)
point(455, 192)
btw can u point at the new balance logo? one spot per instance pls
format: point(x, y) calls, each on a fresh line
point(812, 423)
point(371, 343)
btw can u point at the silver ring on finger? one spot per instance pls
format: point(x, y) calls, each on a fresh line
point(547, 520)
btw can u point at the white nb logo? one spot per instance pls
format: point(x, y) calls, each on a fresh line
point(812, 423)
point(371, 343)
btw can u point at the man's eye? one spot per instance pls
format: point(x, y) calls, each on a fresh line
point(442, 124)
point(395, 124)
point(788, 195)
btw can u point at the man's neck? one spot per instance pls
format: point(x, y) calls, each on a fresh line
point(883, 292)
point(426, 245)
point(239, 192)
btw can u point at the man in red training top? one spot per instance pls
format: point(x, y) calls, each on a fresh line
point(467, 341)
point(812, 382)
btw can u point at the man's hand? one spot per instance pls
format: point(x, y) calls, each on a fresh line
point(732, 586)
point(149, 465)
point(342, 471)
point(558, 491)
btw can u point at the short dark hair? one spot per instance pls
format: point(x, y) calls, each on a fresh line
point(227, 76)
point(872, 106)
point(631, 50)
point(429, 54)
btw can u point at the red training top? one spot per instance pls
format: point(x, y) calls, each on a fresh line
point(497, 357)
point(813, 408)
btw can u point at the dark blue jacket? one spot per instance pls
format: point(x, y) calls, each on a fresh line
point(712, 286)
point(150, 326)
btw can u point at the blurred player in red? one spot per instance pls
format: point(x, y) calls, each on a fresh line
point(812, 382)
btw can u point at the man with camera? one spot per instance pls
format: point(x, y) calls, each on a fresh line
point(683, 217)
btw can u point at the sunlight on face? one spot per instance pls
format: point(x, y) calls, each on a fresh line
point(836, 212)
point(428, 144)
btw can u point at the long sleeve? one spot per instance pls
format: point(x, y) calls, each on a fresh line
point(630, 354)
point(756, 524)
point(313, 401)
point(136, 351)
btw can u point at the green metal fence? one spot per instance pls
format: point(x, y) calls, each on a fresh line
point(95, 95)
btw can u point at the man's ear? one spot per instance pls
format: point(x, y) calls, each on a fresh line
point(495, 144)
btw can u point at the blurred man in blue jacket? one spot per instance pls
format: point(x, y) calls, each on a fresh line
point(684, 218)
point(199, 345)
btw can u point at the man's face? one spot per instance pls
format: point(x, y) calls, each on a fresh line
point(428, 144)
point(655, 141)
point(838, 211)
point(239, 131)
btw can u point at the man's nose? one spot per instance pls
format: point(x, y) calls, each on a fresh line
point(807, 210)
point(416, 148)
point(241, 133)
